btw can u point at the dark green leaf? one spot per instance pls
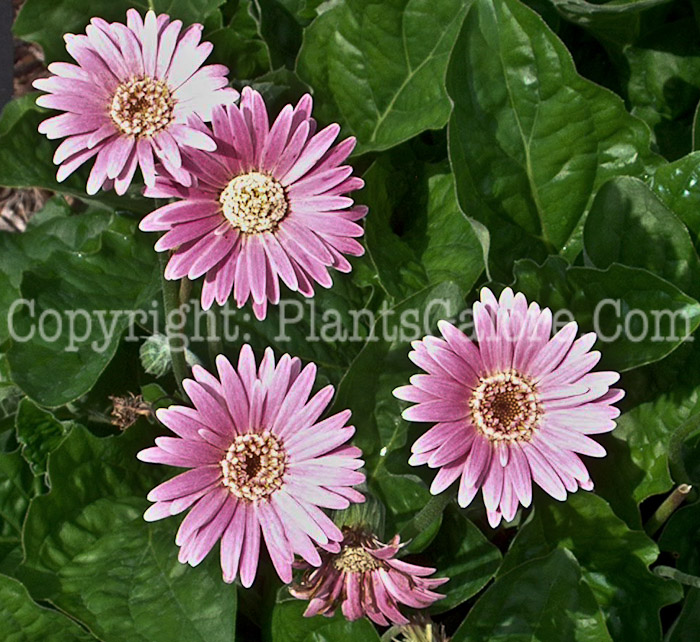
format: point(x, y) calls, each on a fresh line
point(681, 538)
point(23, 620)
point(378, 67)
point(531, 140)
point(45, 22)
point(604, 300)
point(290, 625)
point(103, 270)
point(89, 551)
point(628, 224)
point(687, 625)
point(614, 561)
point(543, 600)
point(462, 553)
point(39, 433)
point(617, 21)
point(26, 157)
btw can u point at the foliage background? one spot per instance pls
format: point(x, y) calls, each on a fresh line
point(546, 144)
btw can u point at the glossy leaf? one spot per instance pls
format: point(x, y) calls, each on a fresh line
point(602, 301)
point(543, 600)
point(530, 140)
point(378, 67)
point(39, 433)
point(614, 561)
point(23, 620)
point(95, 277)
point(45, 22)
point(462, 553)
point(628, 224)
point(89, 551)
point(289, 625)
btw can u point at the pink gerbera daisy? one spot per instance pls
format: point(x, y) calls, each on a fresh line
point(259, 460)
point(130, 97)
point(516, 408)
point(270, 204)
point(365, 578)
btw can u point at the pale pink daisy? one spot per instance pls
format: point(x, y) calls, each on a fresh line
point(366, 578)
point(516, 408)
point(260, 462)
point(129, 99)
point(270, 204)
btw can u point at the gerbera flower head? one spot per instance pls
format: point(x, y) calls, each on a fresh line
point(271, 203)
point(517, 407)
point(129, 99)
point(260, 462)
point(365, 578)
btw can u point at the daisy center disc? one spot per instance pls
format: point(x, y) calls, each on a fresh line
point(355, 559)
point(505, 406)
point(142, 107)
point(254, 203)
point(254, 466)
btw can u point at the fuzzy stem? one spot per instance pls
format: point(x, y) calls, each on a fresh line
point(427, 515)
point(679, 576)
point(171, 301)
point(668, 506)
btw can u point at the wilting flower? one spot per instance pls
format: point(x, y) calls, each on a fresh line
point(365, 578)
point(130, 98)
point(270, 204)
point(259, 460)
point(515, 408)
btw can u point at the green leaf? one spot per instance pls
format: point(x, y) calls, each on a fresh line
point(237, 42)
point(404, 496)
point(45, 22)
point(543, 600)
point(462, 553)
point(17, 486)
point(686, 627)
point(89, 551)
point(39, 433)
point(383, 364)
point(662, 70)
point(681, 538)
point(678, 186)
point(614, 561)
point(437, 243)
point(648, 429)
point(617, 21)
point(290, 625)
point(604, 300)
point(378, 67)
point(93, 274)
point(26, 157)
point(628, 224)
point(530, 140)
point(23, 620)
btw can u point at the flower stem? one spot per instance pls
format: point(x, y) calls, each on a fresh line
point(679, 576)
point(668, 506)
point(427, 515)
point(171, 301)
point(214, 330)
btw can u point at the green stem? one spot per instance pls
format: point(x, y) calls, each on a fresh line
point(668, 506)
point(427, 515)
point(679, 576)
point(171, 301)
point(214, 330)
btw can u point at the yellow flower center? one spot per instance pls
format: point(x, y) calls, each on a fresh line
point(254, 466)
point(355, 559)
point(254, 203)
point(142, 107)
point(506, 406)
